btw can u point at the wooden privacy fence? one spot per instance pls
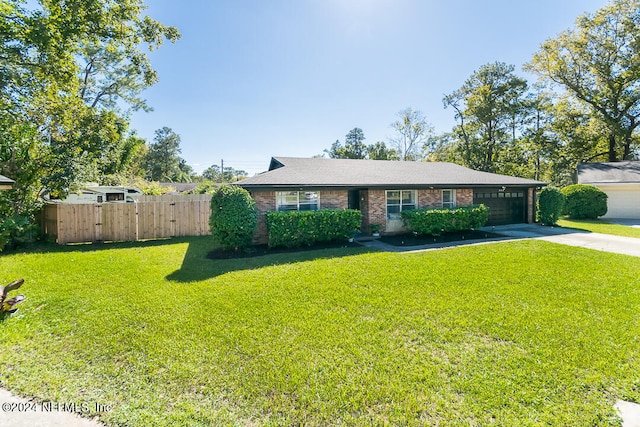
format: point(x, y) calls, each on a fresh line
point(150, 217)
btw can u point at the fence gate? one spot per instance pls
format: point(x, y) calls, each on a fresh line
point(150, 217)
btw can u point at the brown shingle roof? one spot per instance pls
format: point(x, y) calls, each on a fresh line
point(614, 172)
point(322, 172)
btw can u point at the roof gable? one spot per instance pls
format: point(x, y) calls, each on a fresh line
point(322, 172)
point(612, 172)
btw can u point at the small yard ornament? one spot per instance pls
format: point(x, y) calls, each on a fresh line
point(8, 305)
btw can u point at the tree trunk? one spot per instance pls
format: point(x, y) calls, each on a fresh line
point(628, 140)
point(613, 157)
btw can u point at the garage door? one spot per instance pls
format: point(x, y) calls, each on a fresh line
point(505, 206)
point(622, 201)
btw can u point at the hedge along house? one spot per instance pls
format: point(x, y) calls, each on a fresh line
point(382, 189)
point(620, 181)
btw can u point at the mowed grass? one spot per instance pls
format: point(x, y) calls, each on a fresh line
point(600, 226)
point(524, 333)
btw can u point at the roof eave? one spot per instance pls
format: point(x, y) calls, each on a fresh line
point(392, 185)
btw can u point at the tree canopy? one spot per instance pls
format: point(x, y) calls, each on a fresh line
point(67, 67)
point(355, 148)
point(486, 108)
point(597, 64)
point(411, 133)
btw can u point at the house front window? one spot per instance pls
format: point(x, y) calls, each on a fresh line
point(448, 198)
point(400, 200)
point(297, 200)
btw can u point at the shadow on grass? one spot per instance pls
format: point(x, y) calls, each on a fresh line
point(196, 266)
point(50, 247)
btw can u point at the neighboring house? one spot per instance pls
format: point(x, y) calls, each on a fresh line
point(100, 194)
point(621, 182)
point(6, 183)
point(382, 189)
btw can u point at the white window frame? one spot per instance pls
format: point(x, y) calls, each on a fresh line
point(452, 203)
point(396, 216)
point(280, 195)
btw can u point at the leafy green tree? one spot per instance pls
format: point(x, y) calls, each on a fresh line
point(56, 104)
point(163, 160)
point(538, 141)
point(336, 151)
point(412, 131)
point(597, 64)
point(486, 109)
point(442, 148)
point(354, 146)
point(380, 151)
point(215, 174)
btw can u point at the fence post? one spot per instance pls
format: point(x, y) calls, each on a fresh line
point(99, 220)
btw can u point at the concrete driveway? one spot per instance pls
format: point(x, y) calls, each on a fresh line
point(565, 236)
point(625, 221)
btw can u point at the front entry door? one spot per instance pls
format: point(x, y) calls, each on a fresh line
point(354, 199)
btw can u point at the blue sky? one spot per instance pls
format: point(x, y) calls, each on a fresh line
point(251, 79)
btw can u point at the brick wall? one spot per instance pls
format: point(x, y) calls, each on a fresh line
point(338, 199)
point(376, 209)
point(265, 202)
point(531, 206)
point(432, 198)
point(464, 197)
point(429, 198)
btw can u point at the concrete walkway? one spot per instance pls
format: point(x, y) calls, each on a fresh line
point(565, 236)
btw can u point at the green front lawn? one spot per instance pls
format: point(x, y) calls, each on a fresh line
point(524, 333)
point(600, 226)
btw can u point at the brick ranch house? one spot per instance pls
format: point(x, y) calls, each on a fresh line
point(382, 189)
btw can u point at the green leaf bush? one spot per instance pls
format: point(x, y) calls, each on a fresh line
point(437, 221)
point(550, 205)
point(17, 231)
point(234, 217)
point(584, 201)
point(293, 229)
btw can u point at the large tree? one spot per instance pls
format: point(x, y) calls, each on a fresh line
point(66, 66)
point(354, 147)
point(486, 109)
point(215, 174)
point(163, 159)
point(597, 63)
point(380, 151)
point(411, 132)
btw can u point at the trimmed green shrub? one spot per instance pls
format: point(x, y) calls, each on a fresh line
point(438, 221)
point(584, 201)
point(17, 231)
point(550, 205)
point(233, 217)
point(293, 228)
